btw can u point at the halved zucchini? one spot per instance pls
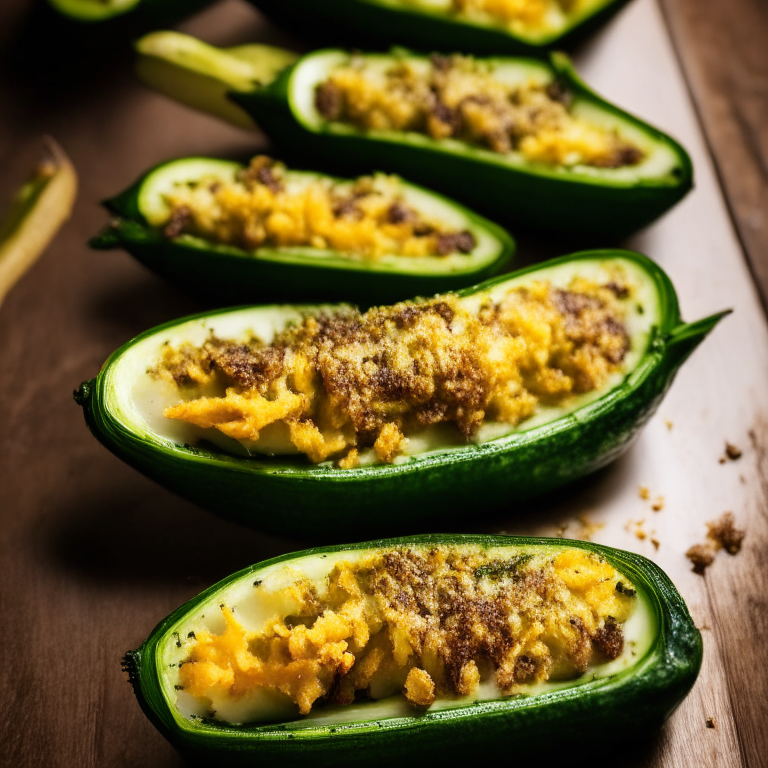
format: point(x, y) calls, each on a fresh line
point(573, 197)
point(439, 473)
point(136, 13)
point(360, 619)
point(445, 24)
point(298, 271)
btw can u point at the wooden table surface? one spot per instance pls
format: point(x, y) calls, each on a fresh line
point(93, 555)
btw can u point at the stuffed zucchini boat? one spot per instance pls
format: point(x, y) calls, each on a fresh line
point(127, 13)
point(263, 231)
point(474, 26)
point(501, 392)
point(419, 648)
point(519, 139)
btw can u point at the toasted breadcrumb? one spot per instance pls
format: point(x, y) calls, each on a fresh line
point(422, 622)
point(419, 688)
point(350, 461)
point(263, 207)
point(637, 527)
point(581, 528)
point(348, 380)
point(701, 556)
point(520, 15)
point(461, 98)
point(725, 535)
point(721, 534)
point(644, 493)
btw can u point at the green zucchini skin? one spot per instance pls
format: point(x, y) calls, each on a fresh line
point(240, 276)
point(631, 703)
point(510, 195)
point(272, 494)
point(353, 21)
point(144, 15)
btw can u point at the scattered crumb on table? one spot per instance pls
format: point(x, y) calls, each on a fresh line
point(581, 528)
point(701, 556)
point(732, 452)
point(721, 534)
point(725, 535)
point(645, 494)
point(658, 505)
point(637, 528)
point(711, 722)
point(669, 424)
point(588, 528)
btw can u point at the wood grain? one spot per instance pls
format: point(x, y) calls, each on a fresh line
point(723, 50)
point(94, 555)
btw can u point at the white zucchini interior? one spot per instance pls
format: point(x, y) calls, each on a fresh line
point(263, 595)
point(138, 399)
point(154, 207)
point(658, 162)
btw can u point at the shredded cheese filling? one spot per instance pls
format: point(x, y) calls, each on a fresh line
point(427, 623)
point(458, 97)
point(334, 385)
point(516, 15)
point(265, 208)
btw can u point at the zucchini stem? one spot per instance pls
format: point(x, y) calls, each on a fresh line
point(686, 337)
point(201, 76)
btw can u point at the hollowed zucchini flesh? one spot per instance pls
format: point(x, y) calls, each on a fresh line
point(442, 470)
point(435, 644)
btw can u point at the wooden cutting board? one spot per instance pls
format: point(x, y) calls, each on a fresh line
point(93, 555)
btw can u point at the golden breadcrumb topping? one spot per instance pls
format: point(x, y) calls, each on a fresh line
point(334, 384)
point(517, 15)
point(424, 623)
point(461, 98)
point(264, 208)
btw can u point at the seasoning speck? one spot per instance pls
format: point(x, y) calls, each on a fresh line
point(701, 556)
point(732, 452)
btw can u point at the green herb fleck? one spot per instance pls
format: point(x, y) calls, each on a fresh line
point(501, 568)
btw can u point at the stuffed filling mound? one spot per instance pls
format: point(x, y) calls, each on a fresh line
point(457, 97)
point(336, 385)
point(519, 16)
point(264, 206)
point(425, 623)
